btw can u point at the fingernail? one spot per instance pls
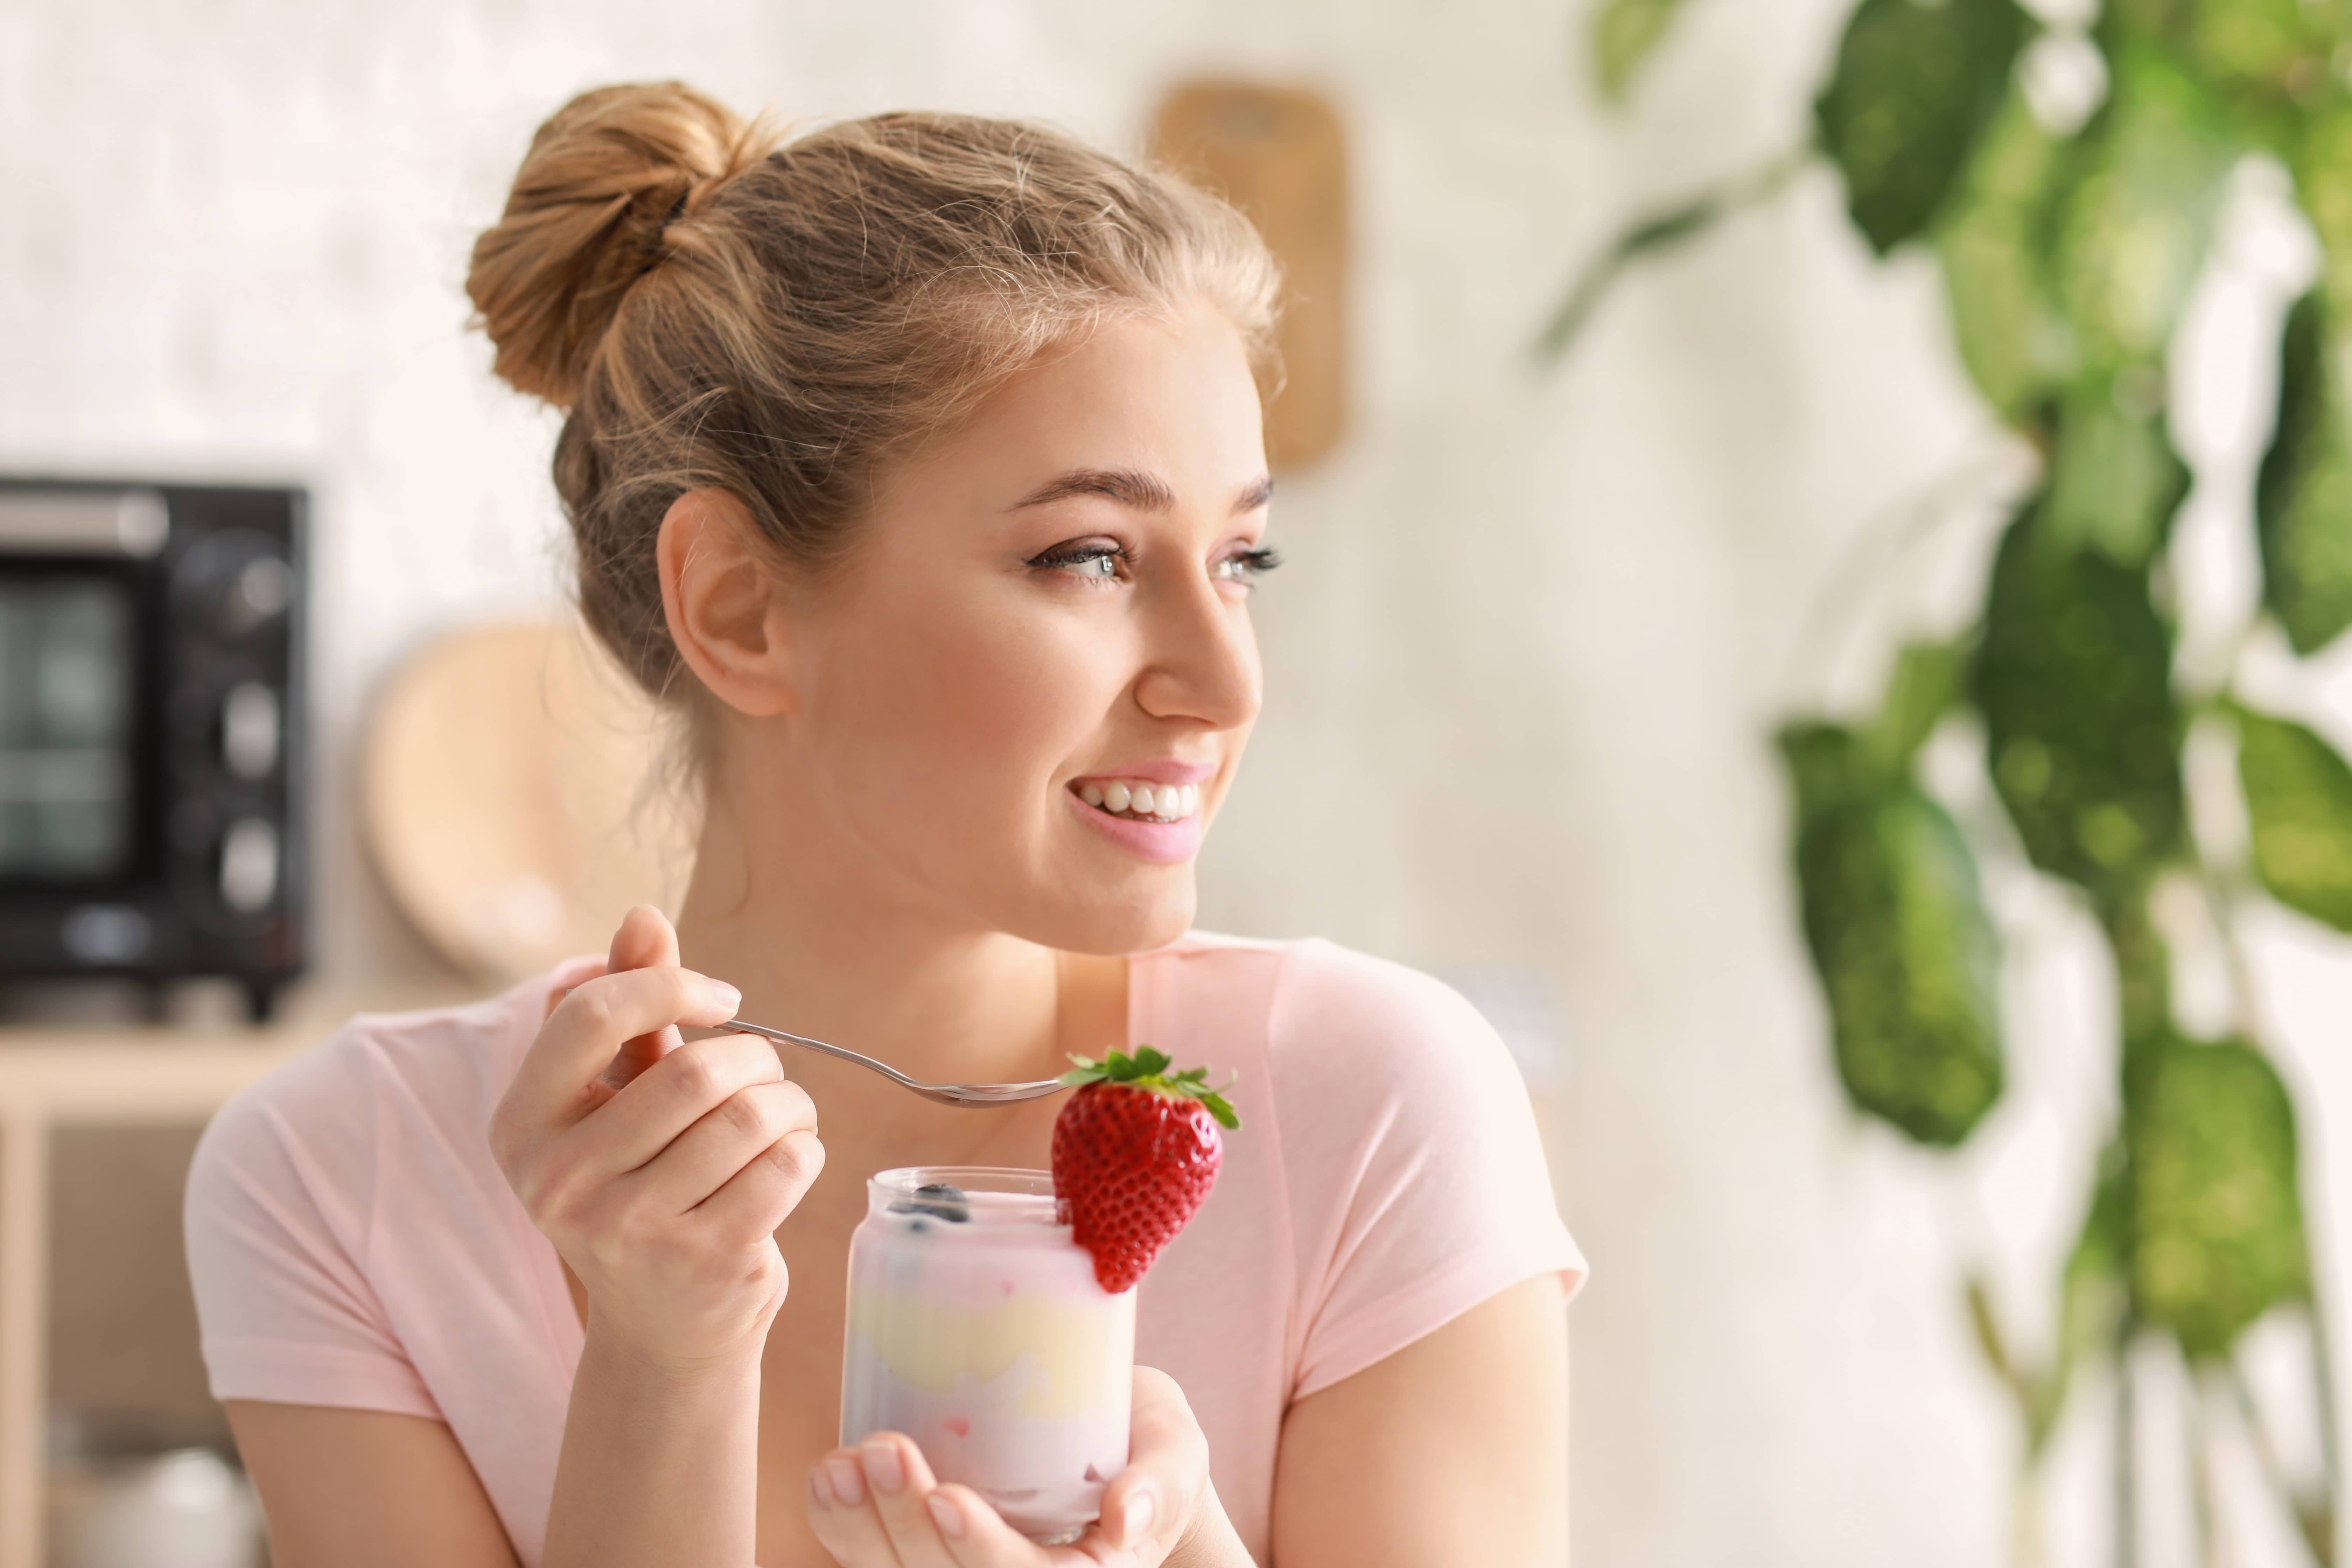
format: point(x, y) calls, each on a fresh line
point(848, 1485)
point(883, 1467)
point(723, 995)
point(946, 1515)
point(1138, 1516)
point(819, 1492)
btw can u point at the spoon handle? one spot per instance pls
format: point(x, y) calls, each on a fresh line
point(893, 1074)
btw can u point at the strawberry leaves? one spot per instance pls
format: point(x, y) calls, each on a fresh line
point(1146, 1069)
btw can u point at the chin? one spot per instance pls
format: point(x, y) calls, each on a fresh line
point(1128, 920)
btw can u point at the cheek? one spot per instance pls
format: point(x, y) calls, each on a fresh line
point(954, 714)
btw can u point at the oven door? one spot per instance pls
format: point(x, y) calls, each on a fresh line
point(149, 694)
point(79, 813)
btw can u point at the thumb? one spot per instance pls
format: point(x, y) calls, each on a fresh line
point(1167, 1475)
point(646, 941)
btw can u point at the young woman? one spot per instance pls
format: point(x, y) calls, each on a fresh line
point(918, 461)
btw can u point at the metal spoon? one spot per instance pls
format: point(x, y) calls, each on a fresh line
point(965, 1094)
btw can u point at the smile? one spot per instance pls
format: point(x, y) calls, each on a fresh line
point(1138, 800)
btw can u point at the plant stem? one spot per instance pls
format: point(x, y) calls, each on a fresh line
point(2198, 1443)
point(2322, 1533)
point(2143, 968)
point(1827, 623)
point(2222, 909)
point(1658, 232)
point(2315, 1518)
point(2025, 1544)
point(2126, 1456)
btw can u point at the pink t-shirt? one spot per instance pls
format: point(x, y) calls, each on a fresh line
point(353, 1244)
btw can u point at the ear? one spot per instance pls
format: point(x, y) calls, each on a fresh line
point(725, 603)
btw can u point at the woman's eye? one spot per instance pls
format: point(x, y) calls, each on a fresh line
point(1096, 562)
point(1248, 565)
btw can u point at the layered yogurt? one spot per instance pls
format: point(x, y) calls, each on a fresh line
point(977, 1328)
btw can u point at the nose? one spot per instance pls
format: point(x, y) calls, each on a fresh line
point(1201, 655)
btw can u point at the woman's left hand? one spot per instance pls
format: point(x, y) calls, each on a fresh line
point(878, 1506)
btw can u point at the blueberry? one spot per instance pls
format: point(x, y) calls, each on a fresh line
point(940, 1201)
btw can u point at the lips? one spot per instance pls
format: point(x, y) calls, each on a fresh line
point(1151, 810)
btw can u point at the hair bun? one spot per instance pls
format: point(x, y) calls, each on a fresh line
point(605, 176)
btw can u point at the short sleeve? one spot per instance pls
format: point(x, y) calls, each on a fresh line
point(1417, 1178)
point(276, 1220)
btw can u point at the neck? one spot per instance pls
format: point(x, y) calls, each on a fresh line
point(819, 949)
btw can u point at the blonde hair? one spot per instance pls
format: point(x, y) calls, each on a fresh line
point(718, 307)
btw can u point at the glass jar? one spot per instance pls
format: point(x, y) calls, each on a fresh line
point(977, 1328)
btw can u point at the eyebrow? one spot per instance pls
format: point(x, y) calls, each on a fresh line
point(1130, 487)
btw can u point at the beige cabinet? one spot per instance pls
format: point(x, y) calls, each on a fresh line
point(57, 1086)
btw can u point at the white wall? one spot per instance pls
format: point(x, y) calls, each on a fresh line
point(1523, 665)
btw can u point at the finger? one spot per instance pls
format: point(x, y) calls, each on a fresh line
point(589, 1026)
point(842, 1516)
point(646, 940)
point(708, 1154)
point(674, 1094)
point(1168, 1458)
point(977, 1536)
point(901, 1481)
point(761, 1195)
point(588, 970)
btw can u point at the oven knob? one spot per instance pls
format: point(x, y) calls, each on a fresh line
point(260, 591)
point(248, 864)
point(250, 730)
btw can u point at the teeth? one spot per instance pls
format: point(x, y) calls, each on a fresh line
point(1140, 797)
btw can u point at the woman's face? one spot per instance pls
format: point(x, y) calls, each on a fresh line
point(1047, 616)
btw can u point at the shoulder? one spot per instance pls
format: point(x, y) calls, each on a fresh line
point(1407, 1161)
point(319, 1120)
point(1349, 1041)
point(1334, 999)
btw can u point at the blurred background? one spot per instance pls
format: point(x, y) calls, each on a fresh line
point(1541, 618)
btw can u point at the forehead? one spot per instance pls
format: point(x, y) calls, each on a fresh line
point(1172, 397)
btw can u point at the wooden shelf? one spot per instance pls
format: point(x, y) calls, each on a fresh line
point(63, 1076)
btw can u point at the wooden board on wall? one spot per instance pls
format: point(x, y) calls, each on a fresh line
point(1278, 154)
point(508, 797)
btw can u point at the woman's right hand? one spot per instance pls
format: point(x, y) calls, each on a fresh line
point(661, 1169)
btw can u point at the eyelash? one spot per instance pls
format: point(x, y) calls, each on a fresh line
point(1250, 563)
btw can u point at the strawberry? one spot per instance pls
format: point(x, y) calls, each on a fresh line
point(1136, 1150)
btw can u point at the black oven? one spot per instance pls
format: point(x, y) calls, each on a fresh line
point(151, 733)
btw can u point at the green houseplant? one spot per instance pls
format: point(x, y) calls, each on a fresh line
point(2067, 254)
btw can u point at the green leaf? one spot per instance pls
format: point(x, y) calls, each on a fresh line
point(2216, 1214)
point(1146, 1069)
point(1897, 926)
point(2260, 51)
point(1914, 87)
point(2016, 342)
point(2303, 499)
point(2074, 678)
point(2299, 799)
point(2322, 160)
point(1624, 32)
point(2095, 1292)
point(1927, 679)
point(1830, 767)
point(2141, 215)
point(2114, 479)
